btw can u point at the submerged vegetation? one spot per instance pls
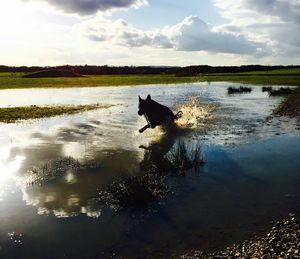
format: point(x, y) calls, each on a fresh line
point(239, 90)
point(181, 159)
point(281, 91)
point(137, 192)
point(13, 114)
point(134, 192)
point(267, 88)
point(52, 169)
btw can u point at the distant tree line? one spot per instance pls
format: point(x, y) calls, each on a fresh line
point(128, 70)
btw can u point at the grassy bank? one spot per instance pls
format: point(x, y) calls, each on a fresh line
point(16, 81)
point(13, 114)
point(276, 77)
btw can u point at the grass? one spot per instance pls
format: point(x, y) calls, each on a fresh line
point(281, 91)
point(137, 192)
point(50, 170)
point(134, 192)
point(275, 77)
point(267, 89)
point(13, 114)
point(241, 89)
point(275, 72)
point(17, 81)
point(182, 158)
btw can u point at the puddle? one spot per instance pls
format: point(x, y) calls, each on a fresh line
point(62, 179)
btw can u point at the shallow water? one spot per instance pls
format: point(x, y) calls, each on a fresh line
point(52, 171)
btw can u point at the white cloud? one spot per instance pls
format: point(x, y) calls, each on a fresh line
point(196, 35)
point(121, 33)
point(275, 22)
point(192, 34)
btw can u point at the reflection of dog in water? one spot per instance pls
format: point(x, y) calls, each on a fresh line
point(156, 113)
point(154, 156)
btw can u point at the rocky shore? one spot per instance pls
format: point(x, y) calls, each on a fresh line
point(283, 241)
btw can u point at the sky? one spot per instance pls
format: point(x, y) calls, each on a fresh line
point(149, 32)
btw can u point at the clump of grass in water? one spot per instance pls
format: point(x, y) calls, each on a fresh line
point(280, 91)
point(139, 191)
point(237, 90)
point(52, 169)
point(13, 114)
point(267, 89)
point(134, 192)
point(182, 158)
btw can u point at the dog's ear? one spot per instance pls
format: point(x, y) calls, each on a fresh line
point(148, 97)
point(140, 99)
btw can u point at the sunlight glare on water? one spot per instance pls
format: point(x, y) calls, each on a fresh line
point(7, 169)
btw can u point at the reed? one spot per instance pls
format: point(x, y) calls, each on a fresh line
point(183, 158)
point(238, 90)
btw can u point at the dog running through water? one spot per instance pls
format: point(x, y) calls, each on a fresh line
point(156, 113)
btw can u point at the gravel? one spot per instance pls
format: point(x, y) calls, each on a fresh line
point(283, 241)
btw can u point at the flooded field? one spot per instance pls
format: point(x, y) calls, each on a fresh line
point(91, 186)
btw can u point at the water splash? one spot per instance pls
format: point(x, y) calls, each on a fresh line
point(195, 115)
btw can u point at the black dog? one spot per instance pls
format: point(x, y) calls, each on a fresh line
point(155, 113)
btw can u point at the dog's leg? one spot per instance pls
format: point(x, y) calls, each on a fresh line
point(144, 147)
point(144, 128)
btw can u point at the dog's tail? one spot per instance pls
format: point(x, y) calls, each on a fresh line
point(178, 115)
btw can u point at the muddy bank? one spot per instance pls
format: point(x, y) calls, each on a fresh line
point(282, 241)
point(290, 106)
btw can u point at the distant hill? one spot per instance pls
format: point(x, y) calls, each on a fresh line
point(52, 73)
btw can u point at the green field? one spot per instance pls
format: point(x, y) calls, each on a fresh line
point(275, 77)
point(13, 114)
point(13, 81)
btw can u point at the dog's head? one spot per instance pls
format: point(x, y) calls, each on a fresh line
point(144, 105)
